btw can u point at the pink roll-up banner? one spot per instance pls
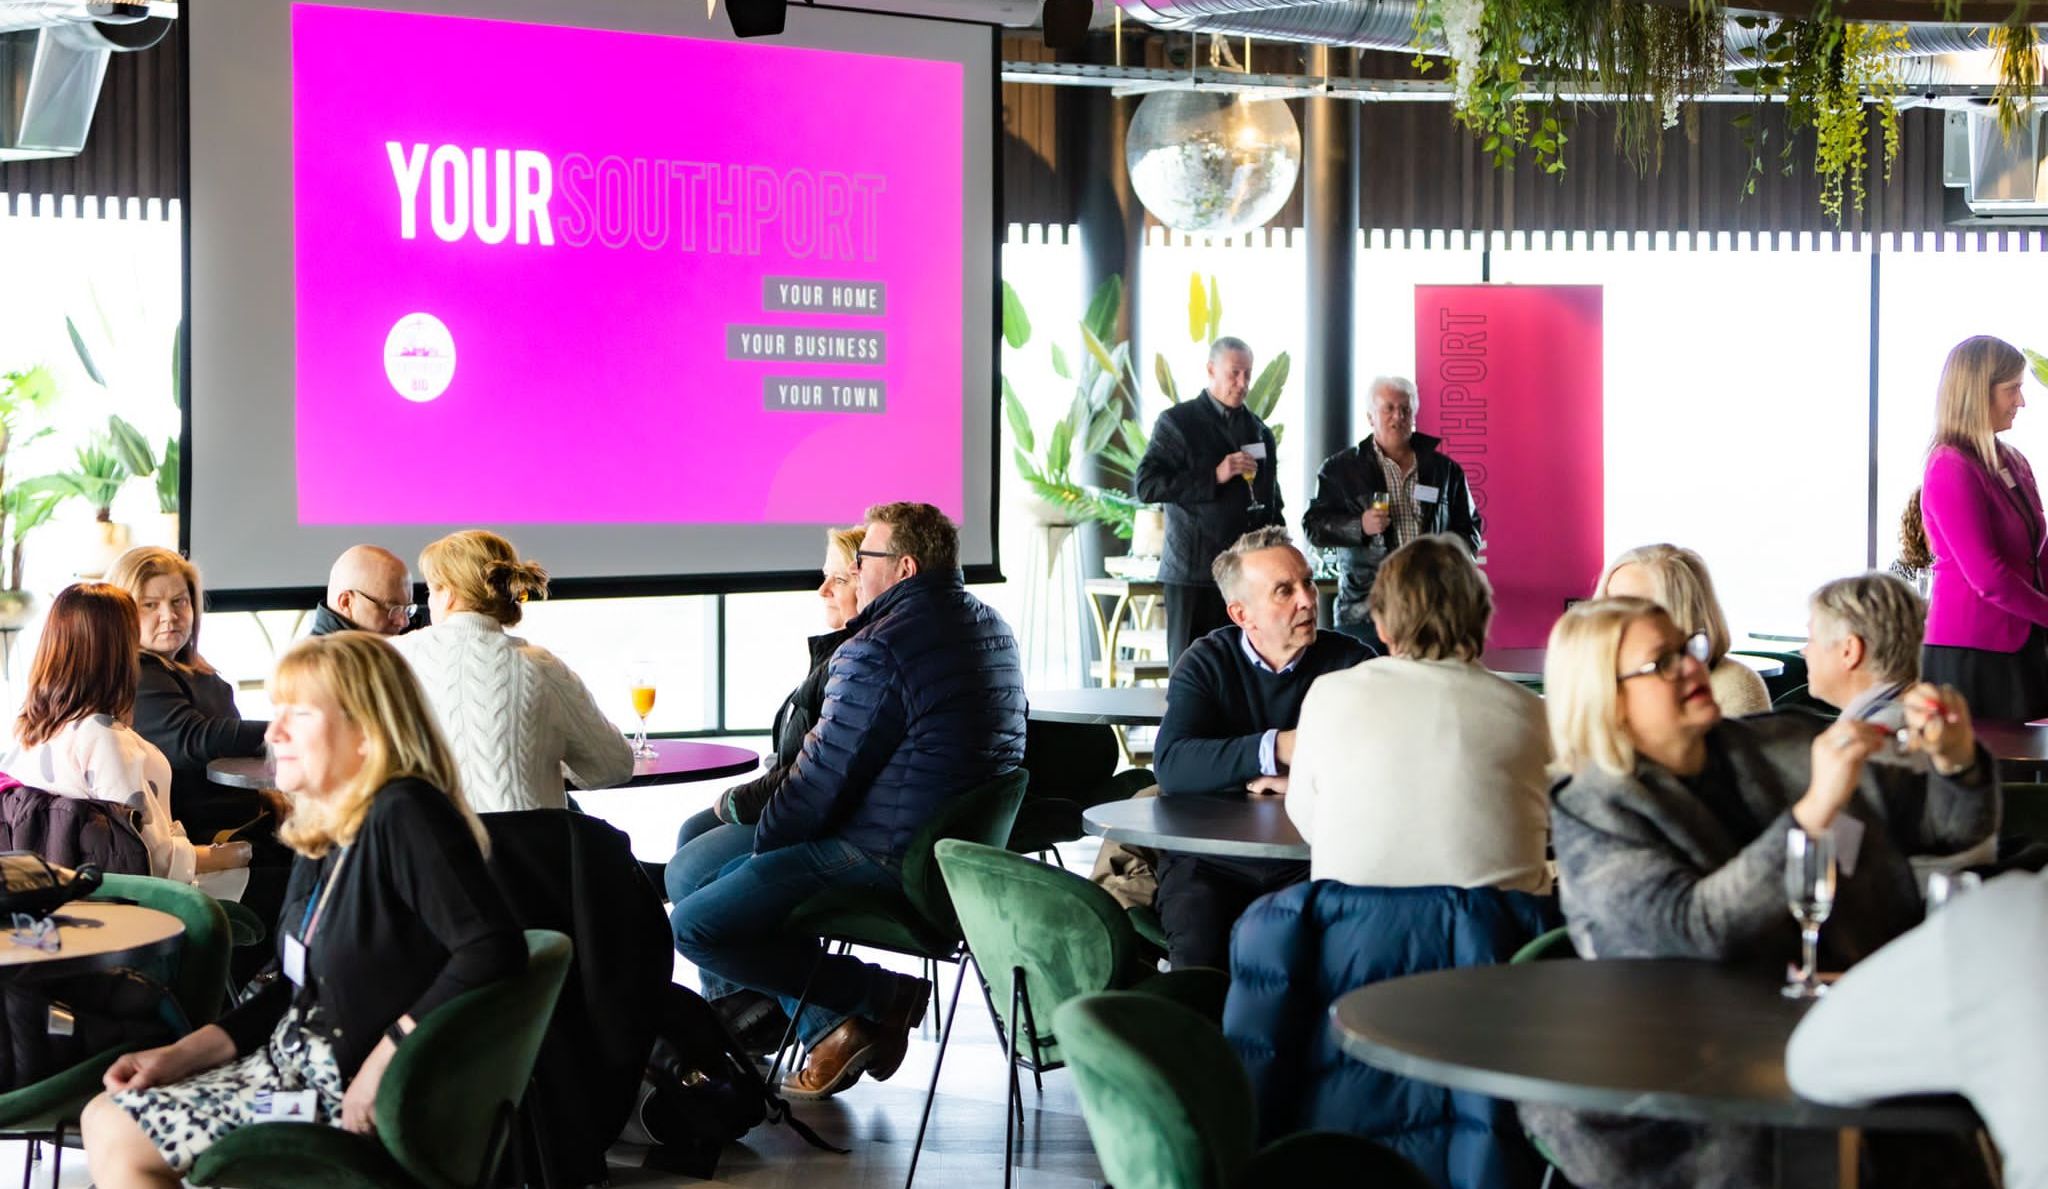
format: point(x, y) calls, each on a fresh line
point(1511, 380)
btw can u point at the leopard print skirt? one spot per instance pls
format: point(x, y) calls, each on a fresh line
point(185, 1118)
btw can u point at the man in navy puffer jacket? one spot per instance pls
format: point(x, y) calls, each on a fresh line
point(923, 702)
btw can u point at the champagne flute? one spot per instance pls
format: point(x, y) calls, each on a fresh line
point(642, 678)
point(1810, 894)
point(1249, 476)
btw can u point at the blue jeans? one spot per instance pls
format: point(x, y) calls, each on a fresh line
point(732, 927)
point(706, 847)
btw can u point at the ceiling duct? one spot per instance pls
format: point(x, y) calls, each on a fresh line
point(53, 57)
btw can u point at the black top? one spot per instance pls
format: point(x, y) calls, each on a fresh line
point(190, 716)
point(793, 720)
point(1219, 705)
point(1204, 517)
point(414, 920)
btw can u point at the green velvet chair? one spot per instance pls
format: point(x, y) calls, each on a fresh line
point(445, 1108)
point(1554, 946)
point(1169, 1107)
point(1041, 935)
point(197, 977)
point(1784, 683)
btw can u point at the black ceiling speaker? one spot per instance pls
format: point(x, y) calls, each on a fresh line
point(756, 18)
point(1066, 23)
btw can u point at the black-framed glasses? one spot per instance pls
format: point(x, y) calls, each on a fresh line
point(858, 554)
point(1668, 664)
point(389, 610)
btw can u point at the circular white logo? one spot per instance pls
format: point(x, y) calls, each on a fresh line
point(419, 357)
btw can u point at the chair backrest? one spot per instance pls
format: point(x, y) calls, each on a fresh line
point(1792, 678)
point(2026, 812)
point(1550, 947)
point(463, 1070)
point(199, 979)
point(982, 814)
point(1166, 1103)
point(1069, 936)
point(1065, 758)
point(1298, 950)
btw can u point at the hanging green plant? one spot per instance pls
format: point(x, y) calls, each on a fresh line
point(1832, 75)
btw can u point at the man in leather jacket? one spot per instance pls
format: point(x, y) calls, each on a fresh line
point(1377, 496)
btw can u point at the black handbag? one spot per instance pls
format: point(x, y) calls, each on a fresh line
point(33, 885)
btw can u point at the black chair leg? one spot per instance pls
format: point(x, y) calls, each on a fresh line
point(932, 1091)
point(931, 973)
point(1013, 1114)
point(28, 1163)
point(789, 1032)
point(57, 1157)
point(1031, 1028)
point(1057, 860)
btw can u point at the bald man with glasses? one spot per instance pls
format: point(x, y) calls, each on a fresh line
point(368, 590)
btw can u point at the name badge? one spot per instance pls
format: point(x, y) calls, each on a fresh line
point(295, 960)
point(302, 1105)
point(1425, 494)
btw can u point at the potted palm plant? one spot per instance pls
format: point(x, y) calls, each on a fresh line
point(97, 477)
point(25, 396)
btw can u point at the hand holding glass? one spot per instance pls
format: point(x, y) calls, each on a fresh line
point(1256, 451)
point(1810, 894)
point(642, 680)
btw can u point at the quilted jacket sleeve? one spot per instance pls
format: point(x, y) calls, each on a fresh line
point(1168, 475)
point(860, 724)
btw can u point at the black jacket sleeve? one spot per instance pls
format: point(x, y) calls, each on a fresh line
point(1196, 750)
point(1168, 475)
point(1332, 520)
point(168, 716)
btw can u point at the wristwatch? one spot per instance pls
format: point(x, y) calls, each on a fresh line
point(396, 1032)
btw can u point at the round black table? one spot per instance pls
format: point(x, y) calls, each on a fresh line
point(1117, 705)
point(676, 761)
point(1526, 664)
point(1239, 827)
point(1694, 1041)
point(93, 935)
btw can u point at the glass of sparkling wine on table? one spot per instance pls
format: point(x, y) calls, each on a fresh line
point(641, 678)
point(1810, 894)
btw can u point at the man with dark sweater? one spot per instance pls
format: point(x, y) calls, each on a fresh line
point(1231, 707)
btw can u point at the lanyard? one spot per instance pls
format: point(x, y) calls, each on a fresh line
point(316, 907)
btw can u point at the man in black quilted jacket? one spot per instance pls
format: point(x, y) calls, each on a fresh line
point(922, 703)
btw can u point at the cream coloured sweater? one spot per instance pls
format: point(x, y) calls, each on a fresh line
point(518, 719)
point(1411, 773)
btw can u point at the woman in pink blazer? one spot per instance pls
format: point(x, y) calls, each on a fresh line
point(1987, 618)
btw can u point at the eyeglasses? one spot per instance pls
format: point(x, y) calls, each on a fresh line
point(35, 932)
point(858, 554)
point(390, 610)
point(1668, 664)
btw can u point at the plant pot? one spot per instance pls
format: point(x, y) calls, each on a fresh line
point(106, 544)
point(165, 531)
point(1148, 532)
point(15, 606)
point(1049, 514)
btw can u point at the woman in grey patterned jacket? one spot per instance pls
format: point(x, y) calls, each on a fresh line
point(1670, 839)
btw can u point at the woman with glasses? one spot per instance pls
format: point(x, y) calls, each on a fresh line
point(1670, 830)
point(1987, 601)
point(516, 717)
point(390, 914)
point(1677, 580)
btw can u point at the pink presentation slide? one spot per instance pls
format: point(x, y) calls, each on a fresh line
point(566, 276)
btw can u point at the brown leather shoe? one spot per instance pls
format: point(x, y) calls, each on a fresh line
point(835, 1062)
point(906, 1012)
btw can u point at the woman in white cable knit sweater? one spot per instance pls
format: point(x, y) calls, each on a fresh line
point(516, 717)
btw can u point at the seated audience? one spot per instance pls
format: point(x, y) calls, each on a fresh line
point(924, 701)
point(1231, 708)
point(718, 835)
point(1670, 834)
point(368, 590)
point(1952, 1007)
point(1677, 580)
point(516, 718)
point(1863, 646)
point(73, 737)
point(186, 710)
point(1421, 767)
point(390, 914)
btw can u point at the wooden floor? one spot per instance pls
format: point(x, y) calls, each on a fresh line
point(878, 1121)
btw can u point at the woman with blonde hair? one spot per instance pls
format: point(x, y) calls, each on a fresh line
point(1987, 602)
point(515, 716)
point(1670, 830)
point(1677, 580)
point(185, 709)
point(390, 914)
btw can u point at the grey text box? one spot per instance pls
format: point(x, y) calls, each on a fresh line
point(822, 394)
point(805, 344)
point(819, 295)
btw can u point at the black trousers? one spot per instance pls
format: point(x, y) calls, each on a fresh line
point(1192, 612)
point(2007, 686)
point(1201, 898)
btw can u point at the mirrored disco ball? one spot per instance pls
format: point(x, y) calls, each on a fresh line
point(1212, 163)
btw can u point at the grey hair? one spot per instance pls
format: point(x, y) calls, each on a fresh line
point(1227, 343)
point(1228, 568)
point(1882, 611)
point(1400, 384)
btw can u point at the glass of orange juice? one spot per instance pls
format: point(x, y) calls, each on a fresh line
point(641, 679)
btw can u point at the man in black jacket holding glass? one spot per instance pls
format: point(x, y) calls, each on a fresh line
point(1214, 465)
